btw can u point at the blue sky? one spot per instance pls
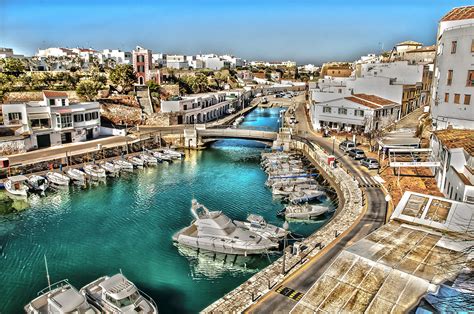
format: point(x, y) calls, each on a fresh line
point(308, 31)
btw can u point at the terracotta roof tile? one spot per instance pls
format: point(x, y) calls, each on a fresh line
point(371, 101)
point(409, 43)
point(54, 94)
point(461, 13)
point(457, 138)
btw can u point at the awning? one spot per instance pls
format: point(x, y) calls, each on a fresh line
point(33, 116)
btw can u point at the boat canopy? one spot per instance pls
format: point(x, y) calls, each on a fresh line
point(118, 287)
point(66, 301)
point(19, 178)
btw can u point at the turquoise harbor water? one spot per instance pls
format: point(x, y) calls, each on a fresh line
point(127, 224)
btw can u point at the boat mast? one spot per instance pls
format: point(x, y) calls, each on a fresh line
point(47, 272)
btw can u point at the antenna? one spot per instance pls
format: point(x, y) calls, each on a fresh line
point(47, 272)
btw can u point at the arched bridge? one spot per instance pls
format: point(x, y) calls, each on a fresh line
point(199, 137)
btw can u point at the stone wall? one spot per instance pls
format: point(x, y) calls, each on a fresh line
point(14, 146)
point(19, 97)
point(350, 196)
point(162, 119)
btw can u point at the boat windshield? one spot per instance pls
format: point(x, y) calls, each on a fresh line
point(131, 299)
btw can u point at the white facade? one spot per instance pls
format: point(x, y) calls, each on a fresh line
point(455, 176)
point(55, 52)
point(403, 72)
point(216, 63)
point(358, 112)
point(120, 57)
point(234, 62)
point(53, 121)
point(452, 100)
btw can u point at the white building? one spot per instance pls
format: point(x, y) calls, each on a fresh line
point(8, 53)
point(202, 108)
point(56, 52)
point(453, 81)
point(403, 72)
point(455, 176)
point(358, 112)
point(216, 63)
point(234, 62)
point(120, 57)
point(53, 121)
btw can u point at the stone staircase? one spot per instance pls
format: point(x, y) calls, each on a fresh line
point(143, 98)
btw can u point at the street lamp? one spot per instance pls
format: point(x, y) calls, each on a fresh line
point(388, 198)
point(286, 226)
point(333, 143)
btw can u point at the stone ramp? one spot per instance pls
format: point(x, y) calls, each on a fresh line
point(143, 98)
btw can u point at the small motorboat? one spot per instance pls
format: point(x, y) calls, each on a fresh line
point(162, 156)
point(117, 294)
point(123, 164)
point(16, 187)
point(57, 179)
point(148, 160)
point(60, 297)
point(215, 232)
point(37, 184)
point(173, 153)
point(77, 176)
point(305, 196)
point(136, 162)
point(95, 172)
point(305, 211)
point(111, 169)
point(258, 224)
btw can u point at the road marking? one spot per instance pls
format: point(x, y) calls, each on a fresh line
point(289, 293)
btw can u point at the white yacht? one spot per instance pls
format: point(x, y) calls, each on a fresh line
point(136, 162)
point(57, 179)
point(305, 196)
point(148, 160)
point(258, 224)
point(16, 187)
point(111, 169)
point(173, 153)
point(77, 176)
point(305, 211)
point(162, 156)
point(123, 164)
point(117, 294)
point(37, 184)
point(213, 231)
point(95, 172)
point(60, 297)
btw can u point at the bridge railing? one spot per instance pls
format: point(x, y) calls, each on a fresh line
point(252, 128)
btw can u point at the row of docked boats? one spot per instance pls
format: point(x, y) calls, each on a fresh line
point(19, 186)
point(115, 294)
point(215, 232)
point(291, 177)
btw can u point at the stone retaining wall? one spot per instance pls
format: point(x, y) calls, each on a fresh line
point(262, 282)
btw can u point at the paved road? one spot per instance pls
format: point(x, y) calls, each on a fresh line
point(303, 279)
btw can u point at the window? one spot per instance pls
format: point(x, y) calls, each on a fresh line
point(457, 98)
point(88, 116)
point(472, 46)
point(446, 97)
point(14, 116)
point(470, 78)
point(66, 121)
point(51, 102)
point(454, 45)
point(78, 117)
point(450, 77)
point(359, 113)
point(327, 109)
point(63, 102)
point(95, 115)
point(342, 111)
point(467, 99)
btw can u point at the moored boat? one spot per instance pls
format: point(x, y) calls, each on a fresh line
point(60, 297)
point(305, 211)
point(117, 294)
point(37, 184)
point(136, 162)
point(111, 169)
point(162, 156)
point(305, 196)
point(214, 231)
point(148, 160)
point(57, 179)
point(173, 153)
point(123, 164)
point(259, 225)
point(77, 176)
point(16, 187)
point(94, 172)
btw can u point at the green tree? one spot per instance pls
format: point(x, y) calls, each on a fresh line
point(13, 66)
point(88, 89)
point(123, 77)
point(153, 86)
point(220, 78)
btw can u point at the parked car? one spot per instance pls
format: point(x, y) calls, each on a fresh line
point(357, 154)
point(346, 146)
point(370, 163)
